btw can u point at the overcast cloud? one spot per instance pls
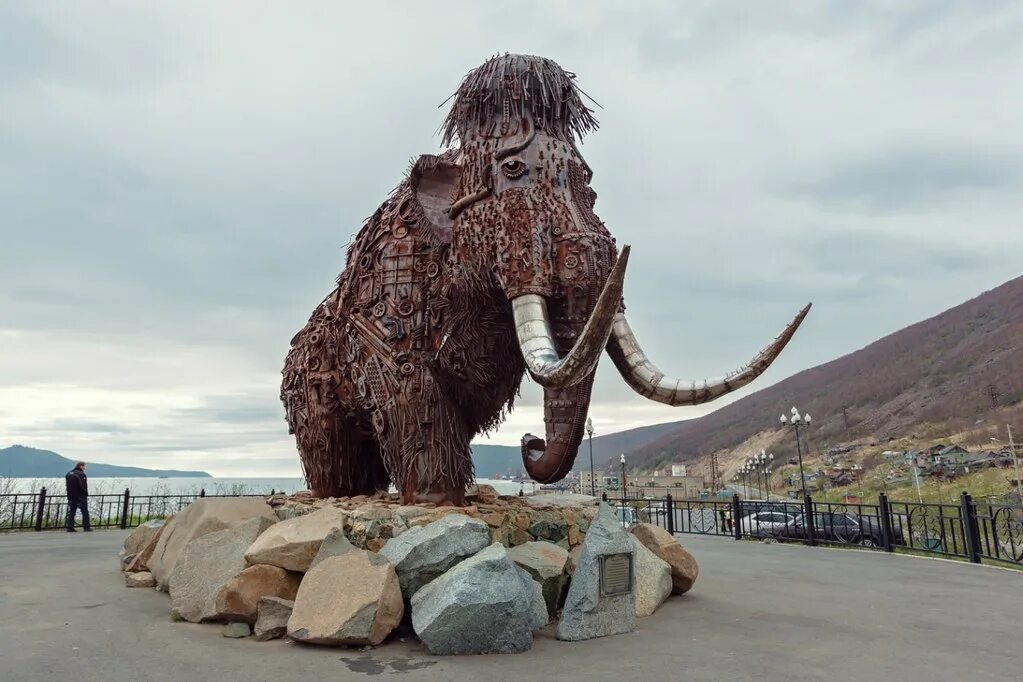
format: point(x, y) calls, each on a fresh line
point(178, 182)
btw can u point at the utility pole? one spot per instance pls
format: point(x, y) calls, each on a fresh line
point(1015, 463)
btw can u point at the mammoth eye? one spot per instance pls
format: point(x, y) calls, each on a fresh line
point(513, 167)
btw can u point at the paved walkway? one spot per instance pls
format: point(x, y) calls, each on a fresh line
point(763, 612)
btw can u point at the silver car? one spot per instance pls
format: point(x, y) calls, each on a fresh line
point(768, 523)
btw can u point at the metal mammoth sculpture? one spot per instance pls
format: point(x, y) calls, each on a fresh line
point(486, 262)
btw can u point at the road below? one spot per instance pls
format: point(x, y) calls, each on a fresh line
point(758, 611)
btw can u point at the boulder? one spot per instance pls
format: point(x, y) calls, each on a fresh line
point(546, 564)
point(236, 630)
point(484, 605)
point(292, 544)
point(238, 599)
point(482, 494)
point(561, 500)
point(140, 562)
point(349, 600)
point(423, 553)
point(653, 579)
point(587, 613)
point(140, 579)
point(207, 564)
point(548, 526)
point(540, 616)
point(335, 544)
point(684, 568)
point(205, 515)
point(141, 536)
point(272, 619)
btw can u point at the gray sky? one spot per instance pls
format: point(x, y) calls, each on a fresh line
point(178, 182)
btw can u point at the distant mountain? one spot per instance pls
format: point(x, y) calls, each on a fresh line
point(19, 461)
point(950, 370)
point(506, 460)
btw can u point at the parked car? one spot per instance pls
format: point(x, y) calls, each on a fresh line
point(842, 527)
point(769, 523)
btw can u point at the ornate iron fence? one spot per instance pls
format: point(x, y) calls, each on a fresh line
point(42, 511)
point(976, 532)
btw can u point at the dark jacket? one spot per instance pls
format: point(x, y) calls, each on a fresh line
point(77, 484)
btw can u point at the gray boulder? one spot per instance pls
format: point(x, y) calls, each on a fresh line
point(421, 554)
point(546, 564)
point(206, 564)
point(335, 544)
point(587, 614)
point(653, 579)
point(272, 621)
point(484, 605)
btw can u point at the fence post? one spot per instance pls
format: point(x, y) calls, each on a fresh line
point(124, 509)
point(40, 508)
point(887, 536)
point(970, 527)
point(669, 507)
point(808, 529)
point(736, 517)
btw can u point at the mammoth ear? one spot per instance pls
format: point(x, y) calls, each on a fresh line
point(434, 180)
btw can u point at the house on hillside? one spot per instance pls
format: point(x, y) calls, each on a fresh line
point(950, 456)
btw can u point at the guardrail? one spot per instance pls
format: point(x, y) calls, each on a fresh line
point(43, 511)
point(977, 532)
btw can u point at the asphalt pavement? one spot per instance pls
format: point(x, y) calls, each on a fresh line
point(757, 612)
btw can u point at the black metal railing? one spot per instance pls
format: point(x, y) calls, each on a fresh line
point(43, 511)
point(976, 532)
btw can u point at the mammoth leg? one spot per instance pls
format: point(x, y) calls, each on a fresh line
point(425, 445)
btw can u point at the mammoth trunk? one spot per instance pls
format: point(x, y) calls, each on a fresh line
point(564, 418)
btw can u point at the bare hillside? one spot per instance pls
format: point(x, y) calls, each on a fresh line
point(951, 369)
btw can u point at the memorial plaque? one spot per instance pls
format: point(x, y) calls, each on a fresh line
point(615, 574)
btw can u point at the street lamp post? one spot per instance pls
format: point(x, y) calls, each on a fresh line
point(796, 422)
point(625, 493)
point(767, 478)
point(589, 433)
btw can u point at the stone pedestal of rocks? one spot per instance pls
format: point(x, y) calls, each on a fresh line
point(587, 612)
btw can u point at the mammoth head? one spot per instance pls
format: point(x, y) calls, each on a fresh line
point(513, 198)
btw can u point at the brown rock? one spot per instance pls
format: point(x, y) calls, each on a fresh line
point(684, 568)
point(494, 519)
point(238, 599)
point(140, 562)
point(293, 543)
point(272, 621)
point(573, 559)
point(141, 579)
point(205, 515)
point(349, 600)
point(376, 544)
point(141, 536)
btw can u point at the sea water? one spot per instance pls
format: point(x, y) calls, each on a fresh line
point(211, 486)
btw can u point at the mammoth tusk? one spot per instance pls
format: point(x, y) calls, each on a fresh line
point(651, 382)
point(533, 330)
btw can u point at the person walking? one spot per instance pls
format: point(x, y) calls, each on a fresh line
point(77, 484)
